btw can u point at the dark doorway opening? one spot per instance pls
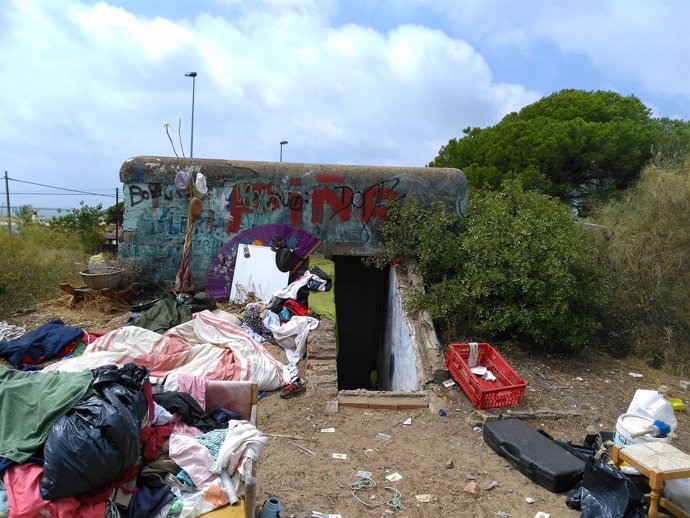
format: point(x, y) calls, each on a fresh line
point(361, 296)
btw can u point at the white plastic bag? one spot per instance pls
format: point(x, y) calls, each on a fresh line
point(651, 404)
point(200, 185)
point(678, 492)
point(474, 355)
point(98, 264)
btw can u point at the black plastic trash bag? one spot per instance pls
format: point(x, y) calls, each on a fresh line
point(607, 493)
point(97, 442)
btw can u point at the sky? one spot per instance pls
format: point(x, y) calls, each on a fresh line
point(86, 85)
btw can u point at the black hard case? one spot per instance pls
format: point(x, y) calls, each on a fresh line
point(536, 456)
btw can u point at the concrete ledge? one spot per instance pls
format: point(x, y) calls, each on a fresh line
point(396, 400)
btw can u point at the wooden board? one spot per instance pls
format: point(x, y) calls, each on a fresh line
point(82, 293)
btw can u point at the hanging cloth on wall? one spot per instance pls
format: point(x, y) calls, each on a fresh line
point(183, 280)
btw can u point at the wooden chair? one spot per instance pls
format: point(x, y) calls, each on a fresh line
point(659, 461)
point(241, 397)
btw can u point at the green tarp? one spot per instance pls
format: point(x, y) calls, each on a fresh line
point(30, 402)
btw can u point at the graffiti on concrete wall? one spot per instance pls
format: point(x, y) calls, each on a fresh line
point(335, 208)
point(332, 201)
point(153, 191)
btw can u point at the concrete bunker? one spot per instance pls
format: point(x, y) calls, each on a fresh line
point(379, 337)
point(342, 206)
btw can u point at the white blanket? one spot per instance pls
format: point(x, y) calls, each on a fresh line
point(209, 345)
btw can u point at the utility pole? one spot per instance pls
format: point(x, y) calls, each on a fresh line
point(191, 144)
point(117, 220)
point(7, 193)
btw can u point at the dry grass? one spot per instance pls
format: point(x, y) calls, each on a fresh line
point(33, 264)
point(36, 261)
point(645, 246)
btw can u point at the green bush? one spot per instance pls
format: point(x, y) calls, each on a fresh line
point(83, 222)
point(644, 241)
point(33, 263)
point(517, 267)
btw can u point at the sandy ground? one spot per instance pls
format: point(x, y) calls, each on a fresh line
point(596, 387)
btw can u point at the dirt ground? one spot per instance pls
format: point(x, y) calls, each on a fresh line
point(596, 387)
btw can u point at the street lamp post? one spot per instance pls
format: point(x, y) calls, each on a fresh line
point(191, 145)
point(282, 143)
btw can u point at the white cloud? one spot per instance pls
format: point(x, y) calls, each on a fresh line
point(645, 41)
point(85, 86)
point(108, 26)
point(642, 45)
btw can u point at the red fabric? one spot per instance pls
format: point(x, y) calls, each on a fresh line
point(68, 349)
point(296, 308)
point(90, 336)
point(22, 483)
point(62, 352)
point(86, 338)
point(183, 279)
point(148, 393)
point(102, 495)
point(32, 361)
point(152, 438)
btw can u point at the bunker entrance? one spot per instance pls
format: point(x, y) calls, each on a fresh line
point(361, 298)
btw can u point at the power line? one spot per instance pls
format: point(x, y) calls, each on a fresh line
point(13, 207)
point(44, 193)
point(62, 188)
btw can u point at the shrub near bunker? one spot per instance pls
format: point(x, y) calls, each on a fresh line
point(516, 267)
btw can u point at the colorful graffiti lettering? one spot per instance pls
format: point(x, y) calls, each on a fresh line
point(331, 195)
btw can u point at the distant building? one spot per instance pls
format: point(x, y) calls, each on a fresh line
point(111, 236)
point(5, 222)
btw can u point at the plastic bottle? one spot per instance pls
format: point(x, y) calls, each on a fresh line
point(98, 264)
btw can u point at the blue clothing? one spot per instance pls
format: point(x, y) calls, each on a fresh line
point(223, 415)
point(149, 499)
point(40, 344)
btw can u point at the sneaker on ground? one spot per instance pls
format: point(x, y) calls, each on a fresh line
point(294, 388)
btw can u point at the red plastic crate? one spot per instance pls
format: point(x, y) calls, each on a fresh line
point(506, 390)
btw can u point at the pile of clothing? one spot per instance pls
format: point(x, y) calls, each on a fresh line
point(211, 345)
point(284, 320)
point(119, 426)
point(107, 442)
